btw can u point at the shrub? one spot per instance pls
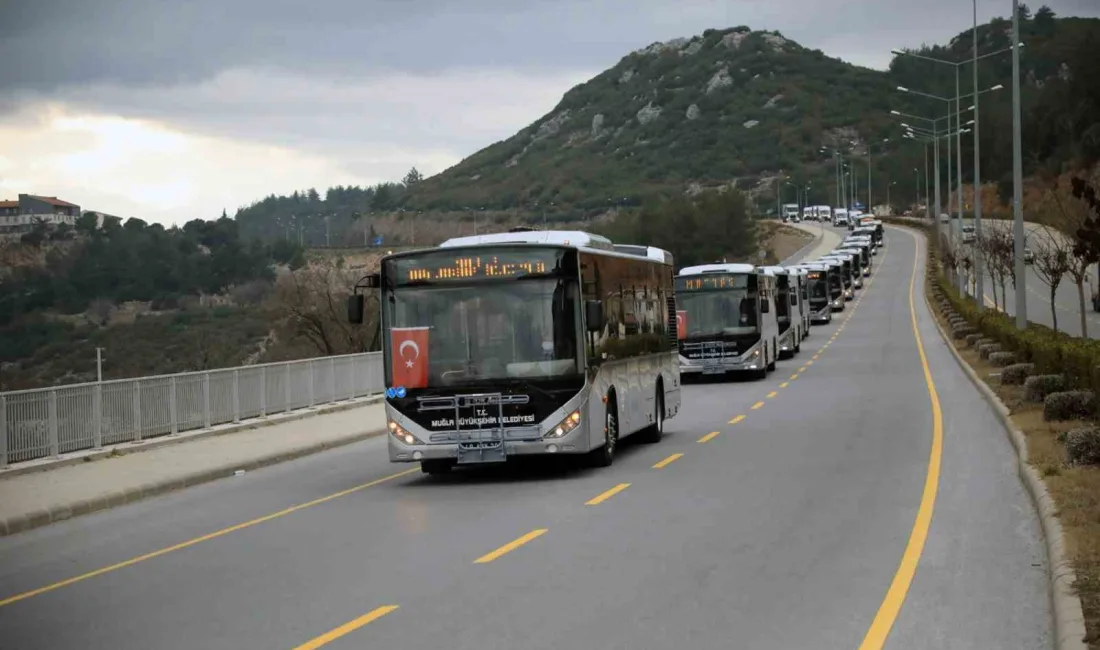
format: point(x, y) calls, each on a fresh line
point(1036, 388)
point(962, 332)
point(1002, 359)
point(972, 339)
point(1083, 446)
point(1069, 405)
point(989, 348)
point(1017, 373)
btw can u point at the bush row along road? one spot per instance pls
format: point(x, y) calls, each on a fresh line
point(785, 513)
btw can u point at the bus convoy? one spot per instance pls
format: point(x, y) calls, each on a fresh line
point(533, 342)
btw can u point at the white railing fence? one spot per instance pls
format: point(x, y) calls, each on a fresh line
point(48, 422)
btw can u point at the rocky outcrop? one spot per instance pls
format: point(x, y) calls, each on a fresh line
point(750, 124)
point(721, 79)
point(626, 76)
point(692, 112)
point(774, 101)
point(648, 113)
point(733, 40)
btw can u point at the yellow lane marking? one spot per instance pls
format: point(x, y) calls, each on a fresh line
point(773, 394)
point(784, 384)
point(346, 628)
point(597, 500)
point(757, 405)
point(710, 436)
point(794, 376)
point(810, 362)
point(737, 419)
point(816, 356)
point(511, 546)
point(802, 369)
point(667, 461)
point(899, 587)
point(198, 540)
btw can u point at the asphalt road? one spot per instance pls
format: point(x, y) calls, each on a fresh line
point(1066, 301)
point(841, 507)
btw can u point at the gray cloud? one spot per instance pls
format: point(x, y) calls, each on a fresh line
point(59, 43)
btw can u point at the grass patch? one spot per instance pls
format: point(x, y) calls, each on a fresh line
point(1075, 489)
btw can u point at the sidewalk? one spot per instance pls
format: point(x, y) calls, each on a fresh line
point(38, 498)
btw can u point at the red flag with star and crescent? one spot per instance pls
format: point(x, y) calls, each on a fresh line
point(409, 356)
point(681, 324)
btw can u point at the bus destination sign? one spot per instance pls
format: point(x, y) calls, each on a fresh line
point(712, 282)
point(440, 266)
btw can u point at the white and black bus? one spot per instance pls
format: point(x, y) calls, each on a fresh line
point(787, 312)
point(525, 343)
point(727, 319)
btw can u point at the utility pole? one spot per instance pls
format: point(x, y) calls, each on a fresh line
point(99, 365)
point(1017, 175)
point(328, 243)
point(979, 269)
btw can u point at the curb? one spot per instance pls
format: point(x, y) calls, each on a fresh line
point(39, 518)
point(122, 449)
point(1069, 618)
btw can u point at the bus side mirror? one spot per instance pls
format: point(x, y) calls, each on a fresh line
point(593, 315)
point(355, 309)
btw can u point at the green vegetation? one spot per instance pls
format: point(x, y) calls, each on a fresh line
point(707, 228)
point(57, 310)
point(52, 352)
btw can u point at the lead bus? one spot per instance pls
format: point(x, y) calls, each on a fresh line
point(524, 343)
point(728, 320)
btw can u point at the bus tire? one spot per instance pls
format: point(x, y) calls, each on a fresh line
point(605, 454)
point(771, 364)
point(654, 432)
point(436, 466)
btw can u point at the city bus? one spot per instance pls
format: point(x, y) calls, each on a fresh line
point(838, 293)
point(524, 343)
point(727, 319)
point(787, 312)
point(819, 283)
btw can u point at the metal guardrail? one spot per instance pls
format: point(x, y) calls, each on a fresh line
point(48, 422)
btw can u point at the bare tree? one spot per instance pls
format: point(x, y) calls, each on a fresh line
point(986, 246)
point(314, 301)
point(1068, 215)
point(1053, 258)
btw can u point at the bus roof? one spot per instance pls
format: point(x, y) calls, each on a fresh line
point(774, 270)
point(717, 268)
point(577, 238)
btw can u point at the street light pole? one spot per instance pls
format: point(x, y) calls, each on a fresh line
point(979, 268)
point(1017, 175)
point(927, 203)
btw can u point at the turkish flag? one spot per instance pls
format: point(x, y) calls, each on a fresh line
point(409, 356)
point(681, 324)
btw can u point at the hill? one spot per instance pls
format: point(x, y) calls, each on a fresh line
point(728, 108)
point(741, 107)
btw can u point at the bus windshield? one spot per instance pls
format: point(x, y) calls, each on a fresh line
point(710, 313)
point(526, 329)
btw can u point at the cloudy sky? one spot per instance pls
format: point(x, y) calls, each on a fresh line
point(172, 110)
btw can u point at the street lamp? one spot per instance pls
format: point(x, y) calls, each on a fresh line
point(1017, 175)
point(1015, 49)
point(958, 141)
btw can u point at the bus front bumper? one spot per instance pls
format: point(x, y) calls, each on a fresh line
point(753, 359)
point(491, 449)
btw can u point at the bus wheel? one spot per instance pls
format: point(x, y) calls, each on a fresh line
point(605, 455)
point(771, 364)
point(654, 432)
point(434, 467)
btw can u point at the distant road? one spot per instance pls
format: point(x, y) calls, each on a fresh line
point(827, 505)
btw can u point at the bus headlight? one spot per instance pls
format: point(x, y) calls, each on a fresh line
point(565, 426)
point(401, 434)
